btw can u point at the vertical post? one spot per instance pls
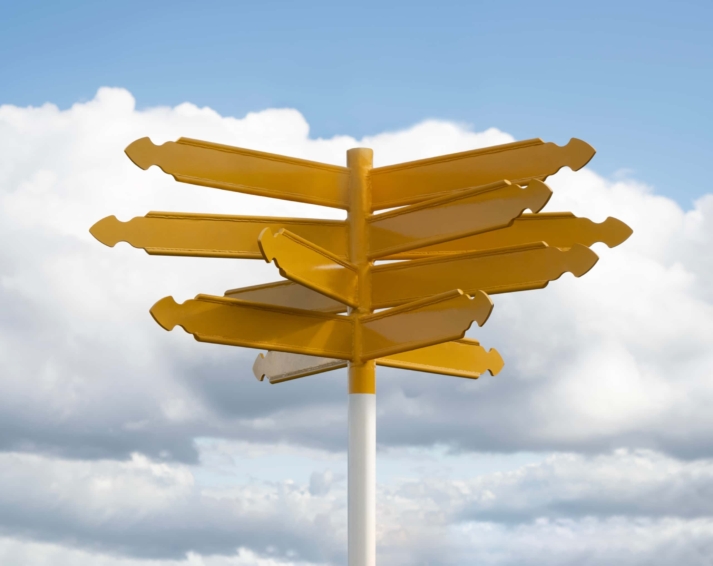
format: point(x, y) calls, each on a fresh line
point(362, 376)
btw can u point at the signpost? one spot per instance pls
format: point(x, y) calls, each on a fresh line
point(458, 231)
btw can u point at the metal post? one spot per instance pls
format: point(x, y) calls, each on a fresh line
point(362, 378)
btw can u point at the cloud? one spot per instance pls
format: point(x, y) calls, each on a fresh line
point(91, 387)
point(624, 507)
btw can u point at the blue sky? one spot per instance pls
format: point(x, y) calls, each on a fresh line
point(632, 78)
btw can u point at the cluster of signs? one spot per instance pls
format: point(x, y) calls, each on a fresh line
point(456, 232)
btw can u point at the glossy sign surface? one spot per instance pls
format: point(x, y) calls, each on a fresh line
point(453, 216)
point(213, 235)
point(505, 270)
point(439, 318)
point(460, 358)
point(556, 229)
point(308, 264)
point(245, 171)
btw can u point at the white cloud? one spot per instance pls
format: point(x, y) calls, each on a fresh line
point(620, 358)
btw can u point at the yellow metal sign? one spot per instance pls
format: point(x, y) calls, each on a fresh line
point(223, 320)
point(214, 235)
point(453, 216)
point(504, 270)
point(518, 162)
point(245, 171)
point(557, 229)
point(312, 266)
point(266, 174)
point(460, 358)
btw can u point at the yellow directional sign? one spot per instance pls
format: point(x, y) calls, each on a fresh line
point(505, 270)
point(245, 171)
point(460, 358)
point(421, 323)
point(406, 183)
point(223, 320)
point(312, 266)
point(557, 229)
point(214, 235)
point(452, 216)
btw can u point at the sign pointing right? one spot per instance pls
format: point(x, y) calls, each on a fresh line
point(460, 358)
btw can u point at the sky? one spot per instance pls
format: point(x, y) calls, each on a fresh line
point(125, 445)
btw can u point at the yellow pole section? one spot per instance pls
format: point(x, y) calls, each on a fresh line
point(362, 375)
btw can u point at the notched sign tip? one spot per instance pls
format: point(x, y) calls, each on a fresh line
point(107, 231)
point(580, 259)
point(617, 232)
point(141, 152)
point(164, 312)
point(580, 153)
point(541, 195)
point(483, 305)
point(495, 362)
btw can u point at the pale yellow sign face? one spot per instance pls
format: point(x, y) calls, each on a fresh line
point(460, 231)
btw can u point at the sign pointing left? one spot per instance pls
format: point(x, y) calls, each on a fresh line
point(245, 170)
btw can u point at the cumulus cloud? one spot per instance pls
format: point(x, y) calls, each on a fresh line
point(92, 388)
point(641, 503)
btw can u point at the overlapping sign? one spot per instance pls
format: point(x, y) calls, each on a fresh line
point(458, 232)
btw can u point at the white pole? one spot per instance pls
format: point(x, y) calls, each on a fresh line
point(362, 479)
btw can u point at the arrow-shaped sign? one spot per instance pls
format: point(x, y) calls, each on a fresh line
point(233, 322)
point(281, 366)
point(531, 266)
point(312, 266)
point(460, 358)
point(406, 183)
point(557, 229)
point(421, 323)
point(213, 235)
point(222, 320)
point(455, 215)
point(245, 171)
